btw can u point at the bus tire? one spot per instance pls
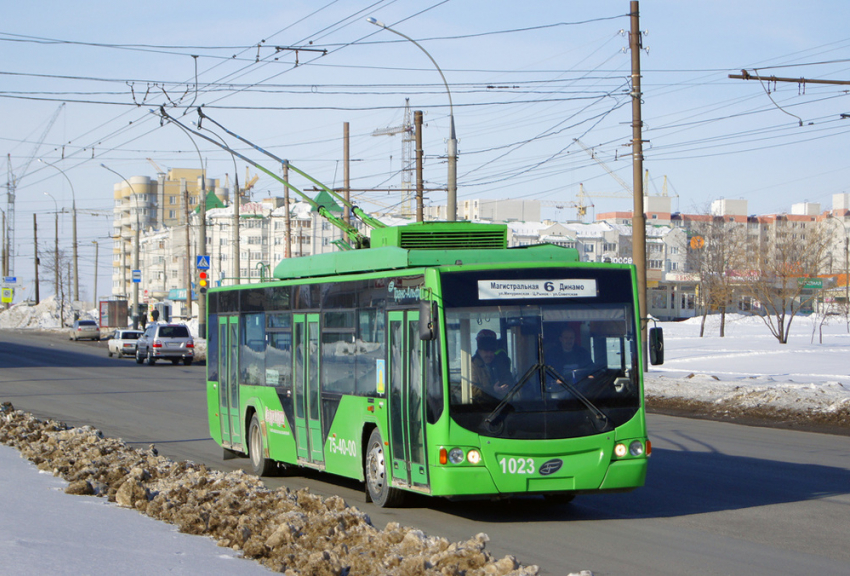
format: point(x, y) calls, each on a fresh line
point(260, 465)
point(378, 488)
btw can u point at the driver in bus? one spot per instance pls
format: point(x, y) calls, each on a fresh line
point(491, 373)
point(568, 355)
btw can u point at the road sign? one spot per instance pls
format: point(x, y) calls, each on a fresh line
point(10, 280)
point(203, 263)
point(137, 276)
point(7, 295)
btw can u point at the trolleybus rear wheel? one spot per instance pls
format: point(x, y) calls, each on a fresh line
point(377, 479)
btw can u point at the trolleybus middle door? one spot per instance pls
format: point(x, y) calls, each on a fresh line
point(305, 377)
point(228, 374)
point(407, 427)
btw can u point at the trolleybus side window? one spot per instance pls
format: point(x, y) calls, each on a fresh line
point(279, 351)
point(338, 352)
point(370, 343)
point(212, 348)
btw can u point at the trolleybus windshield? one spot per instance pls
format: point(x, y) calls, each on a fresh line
point(530, 365)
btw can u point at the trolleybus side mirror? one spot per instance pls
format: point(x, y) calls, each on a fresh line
point(427, 320)
point(656, 346)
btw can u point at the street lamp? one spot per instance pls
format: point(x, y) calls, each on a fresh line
point(451, 207)
point(135, 252)
point(74, 227)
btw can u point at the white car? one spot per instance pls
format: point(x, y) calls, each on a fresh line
point(123, 343)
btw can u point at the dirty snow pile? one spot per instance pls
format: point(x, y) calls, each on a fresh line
point(45, 315)
point(290, 532)
point(748, 370)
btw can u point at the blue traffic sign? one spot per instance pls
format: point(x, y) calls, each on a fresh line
point(10, 280)
point(203, 263)
point(137, 276)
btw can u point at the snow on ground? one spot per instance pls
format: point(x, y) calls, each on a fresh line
point(45, 531)
point(749, 367)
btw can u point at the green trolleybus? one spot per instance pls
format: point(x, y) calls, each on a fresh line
point(436, 361)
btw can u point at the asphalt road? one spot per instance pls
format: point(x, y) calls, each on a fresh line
point(720, 498)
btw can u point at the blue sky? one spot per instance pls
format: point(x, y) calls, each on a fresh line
point(525, 84)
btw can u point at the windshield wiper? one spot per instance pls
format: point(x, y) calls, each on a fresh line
point(600, 422)
point(514, 389)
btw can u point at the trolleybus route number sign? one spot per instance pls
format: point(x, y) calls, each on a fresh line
point(568, 288)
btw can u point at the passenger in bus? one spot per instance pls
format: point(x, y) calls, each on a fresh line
point(568, 355)
point(502, 360)
point(490, 376)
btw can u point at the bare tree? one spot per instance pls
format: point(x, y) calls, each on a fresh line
point(716, 249)
point(784, 264)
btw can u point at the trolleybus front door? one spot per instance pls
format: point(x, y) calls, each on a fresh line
point(407, 427)
point(228, 380)
point(305, 373)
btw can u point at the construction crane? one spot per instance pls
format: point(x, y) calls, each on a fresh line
point(155, 165)
point(406, 156)
point(11, 187)
point(581, 205)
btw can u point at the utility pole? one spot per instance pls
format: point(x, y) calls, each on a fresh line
point(35, 242)
point(638, 217)
point(237, 199)
point(345, 173)
point(287, 220)
point(94, 290)
point(202, 251)
point(3, 258)
point(417, 123)
point(187, 269)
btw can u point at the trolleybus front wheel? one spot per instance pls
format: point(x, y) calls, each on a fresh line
point(377, 480)
point(261, 465)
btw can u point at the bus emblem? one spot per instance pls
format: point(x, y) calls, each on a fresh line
point(551, 467)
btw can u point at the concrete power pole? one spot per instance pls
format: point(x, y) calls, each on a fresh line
point(287, 220)
point(345, 173)
point(417, 123)
point(638, 217)
point(202, 251)
point(187, 269)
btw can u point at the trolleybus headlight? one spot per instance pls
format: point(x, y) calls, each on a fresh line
point(620, 450)
point(474, 456)
point(456, 456)
point(636, 448)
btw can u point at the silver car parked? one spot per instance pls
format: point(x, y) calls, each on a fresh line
point(84, 330)
point(165, 342)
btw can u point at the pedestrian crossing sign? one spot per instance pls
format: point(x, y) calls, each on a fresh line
point(203, 263)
